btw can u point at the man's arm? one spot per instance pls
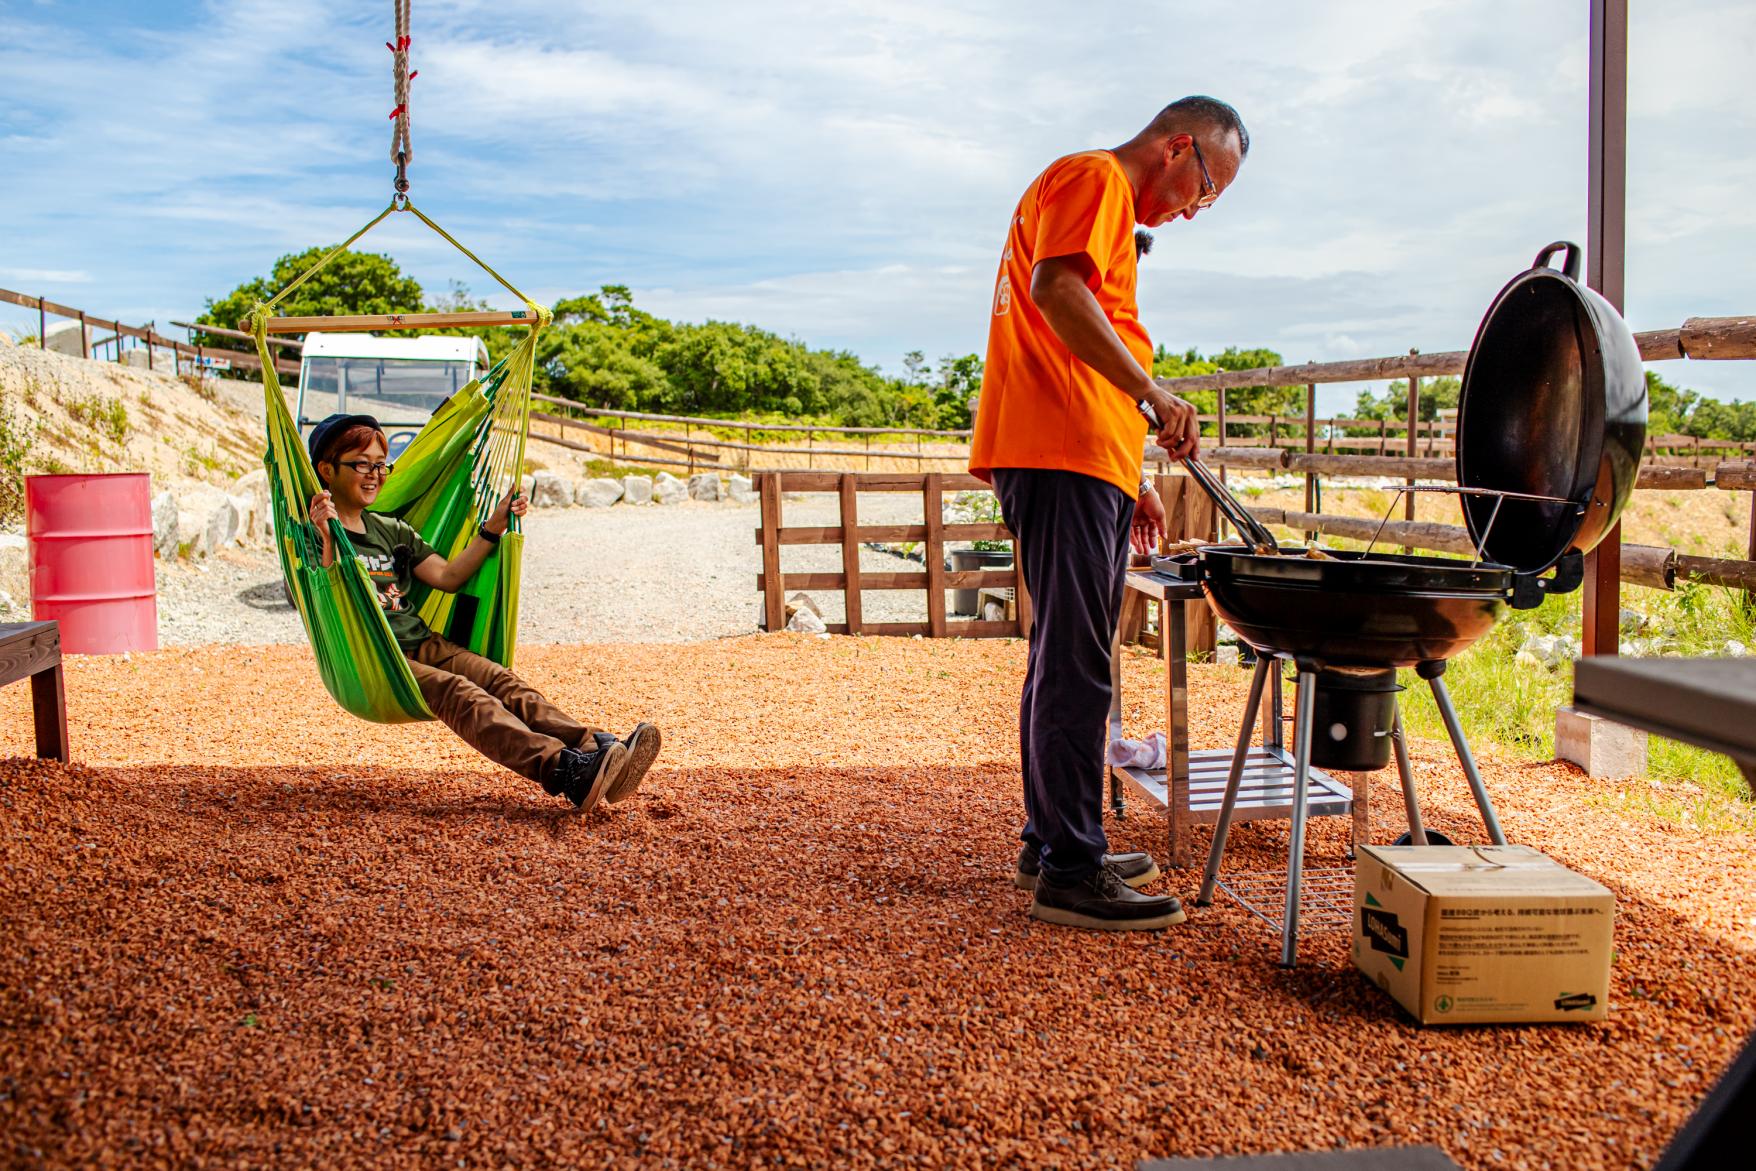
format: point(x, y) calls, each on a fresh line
point(1059, 288)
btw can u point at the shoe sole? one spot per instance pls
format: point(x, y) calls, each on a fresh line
point(1064, 918)
point(643, 748)
point(615, 763)
point(1025, 881)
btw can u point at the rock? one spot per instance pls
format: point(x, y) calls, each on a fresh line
point(256, 524)
point(1226, 656)
point(164, 525)
point(1631, 621)
point(805, 622)
point(550, 490)
point(526, 485)
point(598, 493)
point(188, 533)
point(668, 489)
point(221, 528)
point(637, 489)
point(64, 337)
point(741, 489)
point(6, 340)
point(15, 565)
point(705, 486)
point(1735, 648)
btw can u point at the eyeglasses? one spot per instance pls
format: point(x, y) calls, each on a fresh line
point(1209, 191)
point(363, 468)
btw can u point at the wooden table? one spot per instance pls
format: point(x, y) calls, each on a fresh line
point(33, 650)
point(1191, 786)
point(1710, 703)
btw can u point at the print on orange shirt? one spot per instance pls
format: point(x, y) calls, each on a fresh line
point(1040, 406)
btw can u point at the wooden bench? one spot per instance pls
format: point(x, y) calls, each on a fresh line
point(33, 650)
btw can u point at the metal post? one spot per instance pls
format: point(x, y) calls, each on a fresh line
point(1411, 803)
point(42, 326)
point(149, 326)
point(1310, 447)
point(1605, 253)
point(1289, 930)
point(1454, 729)
point(1234, 779)
point(84, 338)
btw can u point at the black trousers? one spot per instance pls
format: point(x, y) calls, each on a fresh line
point(1072, 535)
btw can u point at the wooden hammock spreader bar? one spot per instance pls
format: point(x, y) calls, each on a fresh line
point(365, 322)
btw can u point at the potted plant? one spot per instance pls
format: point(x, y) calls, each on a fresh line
point(976, 508)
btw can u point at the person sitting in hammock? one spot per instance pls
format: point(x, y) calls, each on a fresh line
point(491, 709)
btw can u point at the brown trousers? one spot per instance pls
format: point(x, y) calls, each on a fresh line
point(494, 711)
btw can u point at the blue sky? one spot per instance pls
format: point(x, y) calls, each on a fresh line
point(843, 172)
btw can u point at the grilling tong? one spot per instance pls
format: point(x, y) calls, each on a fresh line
point(1241, 518)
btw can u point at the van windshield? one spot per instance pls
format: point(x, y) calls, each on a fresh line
point(394, 390)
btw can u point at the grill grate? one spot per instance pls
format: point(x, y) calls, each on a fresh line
point(1326, 897)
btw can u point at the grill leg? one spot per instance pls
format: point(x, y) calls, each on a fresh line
point(1417, 833)
point(1455, 731)
point(1234, 780)
point(1306, 702)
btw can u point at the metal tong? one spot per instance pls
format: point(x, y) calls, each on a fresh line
point(1230, 506)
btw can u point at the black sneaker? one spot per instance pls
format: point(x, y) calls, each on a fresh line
point(1134, 869)
point(1103, 902)
point(584, 776)
point(643, 748)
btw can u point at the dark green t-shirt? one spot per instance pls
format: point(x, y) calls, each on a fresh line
point(389, 550)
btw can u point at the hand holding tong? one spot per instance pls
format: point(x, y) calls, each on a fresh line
point(1230, 506)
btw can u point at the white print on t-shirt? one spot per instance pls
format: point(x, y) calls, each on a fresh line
point(1003, 296)
point(382, 571)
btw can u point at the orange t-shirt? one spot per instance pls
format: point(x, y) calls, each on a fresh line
point(1040, 406)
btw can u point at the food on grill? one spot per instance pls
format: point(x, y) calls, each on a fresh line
point(1178, 548)
point(1316, 554)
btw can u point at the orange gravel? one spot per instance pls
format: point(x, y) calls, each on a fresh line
point(248, 930)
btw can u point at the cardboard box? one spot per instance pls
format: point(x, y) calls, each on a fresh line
point(1469, 935)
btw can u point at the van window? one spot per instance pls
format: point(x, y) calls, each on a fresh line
point(395, 390)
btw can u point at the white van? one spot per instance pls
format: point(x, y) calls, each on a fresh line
point(400, 381)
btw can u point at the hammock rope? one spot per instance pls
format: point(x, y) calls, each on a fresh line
point(402, 150)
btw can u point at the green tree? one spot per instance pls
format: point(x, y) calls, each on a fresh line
point(1437, 394)
point(354, 282)
point(960, 380)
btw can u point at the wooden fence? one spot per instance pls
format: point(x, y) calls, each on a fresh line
point(1187, 512)
point(199, 356)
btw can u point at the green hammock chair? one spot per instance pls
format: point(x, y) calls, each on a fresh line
point(451, 476)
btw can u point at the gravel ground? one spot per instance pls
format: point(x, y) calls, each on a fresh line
point(247, 930)
point(676, 573)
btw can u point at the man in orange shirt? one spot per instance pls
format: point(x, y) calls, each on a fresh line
point(1060, 435)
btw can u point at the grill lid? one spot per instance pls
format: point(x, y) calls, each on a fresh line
point(1553, 403)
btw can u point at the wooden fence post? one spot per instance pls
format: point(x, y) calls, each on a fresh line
point(773, 598)
point(43, 325)
point(850, 550)
point(933, 510)
point(1413, 444)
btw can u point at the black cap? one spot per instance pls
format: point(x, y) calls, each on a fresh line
point(333, 426)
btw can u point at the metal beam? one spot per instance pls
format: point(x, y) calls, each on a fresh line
point(1605, 254)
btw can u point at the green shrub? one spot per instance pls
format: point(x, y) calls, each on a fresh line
point(16, 440)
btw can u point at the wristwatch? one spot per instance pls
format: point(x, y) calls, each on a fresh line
point(1145, 485)
point(487, 534)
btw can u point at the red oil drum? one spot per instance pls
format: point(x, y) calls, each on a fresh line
point(90, 540)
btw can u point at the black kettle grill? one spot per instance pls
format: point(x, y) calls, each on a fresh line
point(1550, 425)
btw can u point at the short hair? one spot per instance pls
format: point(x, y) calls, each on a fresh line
point(1198, 110)
point(358, 435)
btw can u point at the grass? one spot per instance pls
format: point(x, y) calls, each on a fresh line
point(1512, 703)
point(107, 416)
point(16, 440)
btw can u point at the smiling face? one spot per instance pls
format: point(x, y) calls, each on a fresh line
point(352, 488)
point(1187, 175)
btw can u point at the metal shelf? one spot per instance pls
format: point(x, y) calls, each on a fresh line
point(1326, 897)
point(1265, 791)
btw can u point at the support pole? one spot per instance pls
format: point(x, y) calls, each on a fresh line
point(1411, 802)
point(1605, 253)
point(1234, 779)
point(1289, 926)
